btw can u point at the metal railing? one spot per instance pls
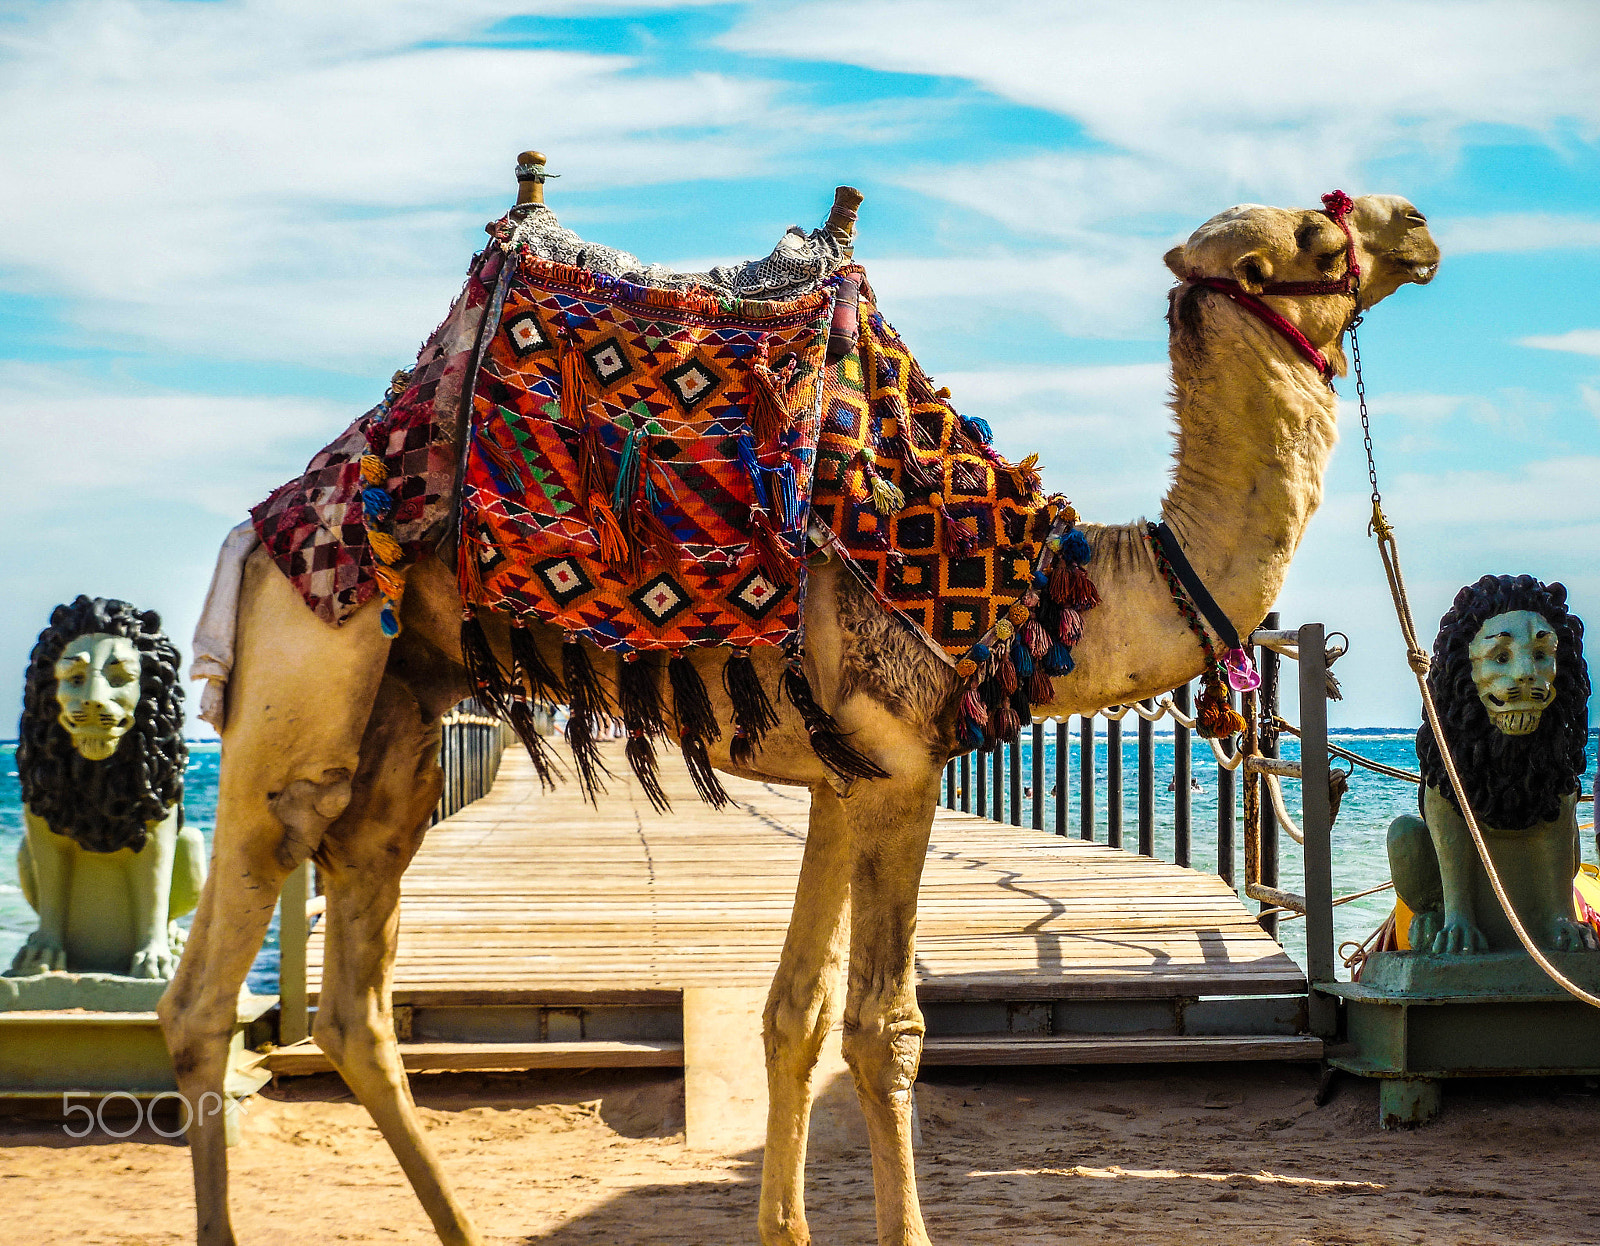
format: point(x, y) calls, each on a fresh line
point(991, 785)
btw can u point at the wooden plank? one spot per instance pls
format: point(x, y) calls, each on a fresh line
point(525, 897)
point(306, 1057)
point(1118, 1049)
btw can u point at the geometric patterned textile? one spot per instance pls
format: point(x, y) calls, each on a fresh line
point(943, 530)
point(622, 479)
point(314, 526)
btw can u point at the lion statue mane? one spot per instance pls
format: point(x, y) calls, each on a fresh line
point(1512, 781)
point(103, 805)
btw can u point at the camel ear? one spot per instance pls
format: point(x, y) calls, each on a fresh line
point(1252, 271)
point(1174, 260)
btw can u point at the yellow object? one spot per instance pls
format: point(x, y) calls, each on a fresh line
point(384, 546)
point(1585, 887)
point(372, 469)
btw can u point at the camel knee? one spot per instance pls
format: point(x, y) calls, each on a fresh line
point(198, 1044)
point(793, 1028)
point(306, 808)
point(883, 1052)
point(344, 1032)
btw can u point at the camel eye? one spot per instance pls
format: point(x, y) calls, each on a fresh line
point(1416, 217)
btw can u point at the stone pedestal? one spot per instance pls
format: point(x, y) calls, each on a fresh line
point(1418, 1017)
point(93, 1035)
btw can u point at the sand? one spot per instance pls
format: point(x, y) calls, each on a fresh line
point(1144, 1155)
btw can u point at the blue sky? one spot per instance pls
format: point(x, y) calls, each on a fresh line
point(223, 223)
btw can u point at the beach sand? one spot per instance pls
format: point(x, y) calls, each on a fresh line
point(1133, 1155)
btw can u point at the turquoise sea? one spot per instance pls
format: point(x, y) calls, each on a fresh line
point(1359, 858)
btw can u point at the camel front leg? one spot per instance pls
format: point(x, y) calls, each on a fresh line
point(297, 708)
point(890, 821)
point(365, 854)
point(801, 1009)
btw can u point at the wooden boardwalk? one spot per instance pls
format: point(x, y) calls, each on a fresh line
point(526, 898)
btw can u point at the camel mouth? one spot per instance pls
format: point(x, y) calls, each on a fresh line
point(1424, 273)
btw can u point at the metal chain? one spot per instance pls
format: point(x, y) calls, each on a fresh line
point(1361, 395)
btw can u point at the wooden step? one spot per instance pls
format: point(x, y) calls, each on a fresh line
point(307, 1057)
point(1117, 1049)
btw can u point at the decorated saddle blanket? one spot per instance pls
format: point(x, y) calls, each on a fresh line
point(642, 465)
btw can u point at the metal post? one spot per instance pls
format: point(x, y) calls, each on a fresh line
point(1086, 776)
point(1016, 780)
point(982, 776)
point(1225, 798)
point(997, 794)
point(1038, 776)
point(1147, 785)
point(1316, 822)
point(1061, 776)
point(966, 782)
point(1268, 748)
point(293, 1013)
point(1114, 782)
point(950, 784)
point(1180, 780)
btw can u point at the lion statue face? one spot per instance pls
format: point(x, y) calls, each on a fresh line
point(100, 751)
point(97, 687)
point(1512, 689)
point(1514, 668)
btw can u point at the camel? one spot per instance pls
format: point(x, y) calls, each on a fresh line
point(331, 739)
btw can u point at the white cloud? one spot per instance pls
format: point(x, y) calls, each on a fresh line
point(272, 178)
point(1578, 341)
point(1517, 231)
point(1190, 106)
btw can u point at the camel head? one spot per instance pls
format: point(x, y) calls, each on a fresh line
point(1259, 247)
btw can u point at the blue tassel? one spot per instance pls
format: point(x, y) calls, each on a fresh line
point(786, 489)
point(977, 429)
point(971, 735)
point(1021, 659)
point(375, 502)
point(1058, 661)
point(388, 621)
point(979, 653)
point(627, 472)
point(1075, 547)
point(753, 469)
point(1041, 579)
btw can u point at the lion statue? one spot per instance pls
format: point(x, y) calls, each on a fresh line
point(106, 861)
point(1512, 690)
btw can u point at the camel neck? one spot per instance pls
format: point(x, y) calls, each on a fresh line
point(1256, 427)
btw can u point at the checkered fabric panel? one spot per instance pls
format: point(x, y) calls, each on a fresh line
point(665, 376)
point(313, 526)
point(872, 397)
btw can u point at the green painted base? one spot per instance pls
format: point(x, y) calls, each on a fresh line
point(1407, 1101)
point(1417, 1017)
point(46, 1053)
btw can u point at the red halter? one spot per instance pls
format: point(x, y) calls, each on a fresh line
point(1337, 205)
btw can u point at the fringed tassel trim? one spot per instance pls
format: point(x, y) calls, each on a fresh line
point(697, 727)
point(529, 666)
point(958, 539)
point(587, 699)
point(829, 743)
point(775, 561)
point(753, 714)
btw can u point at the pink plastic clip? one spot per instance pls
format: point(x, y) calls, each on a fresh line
point(1242, 673)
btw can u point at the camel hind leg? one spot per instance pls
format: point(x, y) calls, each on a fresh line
point(363, 857)
point(298, 705)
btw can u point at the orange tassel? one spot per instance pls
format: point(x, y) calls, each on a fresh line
point(613, 540)
point(1081, 592)
point(574, 399)
point(769, 403)
point(591, 469)
point(652, 534)
point(776, 563)
point(468, 574)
